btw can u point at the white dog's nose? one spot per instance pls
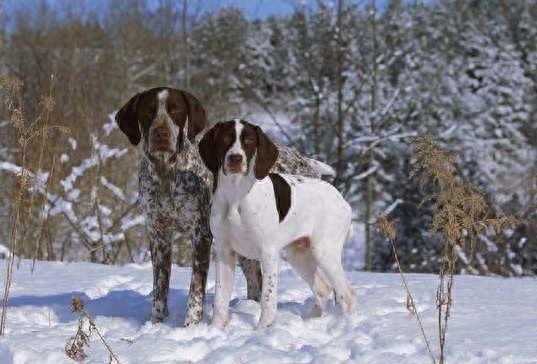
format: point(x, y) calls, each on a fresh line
point(235, 159)
point(234, 163)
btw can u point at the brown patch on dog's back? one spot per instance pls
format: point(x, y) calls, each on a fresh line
point(282, 193)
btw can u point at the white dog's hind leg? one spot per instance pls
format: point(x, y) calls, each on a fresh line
point(329, 260)
point(299, 256)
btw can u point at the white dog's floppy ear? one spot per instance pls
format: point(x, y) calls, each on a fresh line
point(267, 154)
point(127, 120)
point(208, 149)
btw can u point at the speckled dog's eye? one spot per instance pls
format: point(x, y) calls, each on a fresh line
point(248, 141)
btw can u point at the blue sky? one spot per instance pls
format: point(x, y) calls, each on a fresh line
point(253, 9)
point(262, 8)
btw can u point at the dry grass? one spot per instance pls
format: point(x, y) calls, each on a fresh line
point(77, 344)
point(27, 202)
point(461, 214)
point(387, 228)
point(29, 133)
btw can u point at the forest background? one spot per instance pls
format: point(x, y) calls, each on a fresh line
point(348, 83)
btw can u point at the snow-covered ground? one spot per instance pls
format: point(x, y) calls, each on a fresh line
point(494, 320)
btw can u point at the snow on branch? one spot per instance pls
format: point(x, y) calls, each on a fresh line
point(100, 153)
point(387, 211)
point(372, 141)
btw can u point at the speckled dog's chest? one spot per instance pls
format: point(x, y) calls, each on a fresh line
point(170, 198)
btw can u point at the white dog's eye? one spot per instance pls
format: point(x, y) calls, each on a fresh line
point(226, 139)
point(248, 141)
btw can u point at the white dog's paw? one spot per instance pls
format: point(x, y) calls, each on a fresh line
point(261, 326)
point(316, 311)
point(219, 321)
point(264, 322)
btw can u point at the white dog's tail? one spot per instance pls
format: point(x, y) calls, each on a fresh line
point(321, 168)
point(350, 233)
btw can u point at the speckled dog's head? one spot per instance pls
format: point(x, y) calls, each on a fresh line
point(162, 116)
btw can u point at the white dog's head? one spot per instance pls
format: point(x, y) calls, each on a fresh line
point(238, 147)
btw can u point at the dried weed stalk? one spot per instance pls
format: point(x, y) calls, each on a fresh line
point(76, 345)
point(461, 214)
point(387, 228)
point(27, 134)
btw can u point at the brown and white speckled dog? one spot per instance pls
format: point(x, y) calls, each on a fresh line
point(175, 189)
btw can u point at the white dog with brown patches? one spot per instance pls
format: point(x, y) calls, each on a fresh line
point(256, 214)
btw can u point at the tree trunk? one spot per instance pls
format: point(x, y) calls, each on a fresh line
point(340, 164)
point(369, 160)
point(186, 46)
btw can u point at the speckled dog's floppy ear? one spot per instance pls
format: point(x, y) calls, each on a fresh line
point(197, 117)
point(208, 149)
point(267, 154)
point(127, 120)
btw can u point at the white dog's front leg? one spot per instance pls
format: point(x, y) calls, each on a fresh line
point(269, 294)
point(225, 271)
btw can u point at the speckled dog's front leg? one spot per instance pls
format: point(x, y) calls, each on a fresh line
point(252, 271)
point(161, 258)
point(202, 242)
